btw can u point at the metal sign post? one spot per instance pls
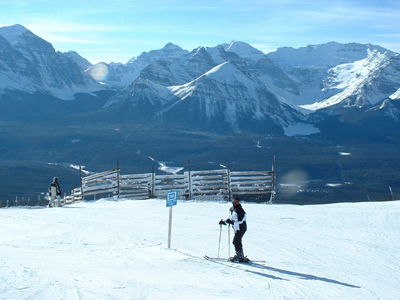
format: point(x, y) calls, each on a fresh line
point(172, 199)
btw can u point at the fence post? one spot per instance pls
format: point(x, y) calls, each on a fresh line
point(189, 181)
point(273, 192)
point(118, 187)
point(391, 193)
point(73, 194)
point(229, 184)
point(153, 183)
point(80, 174)
point(16, 201)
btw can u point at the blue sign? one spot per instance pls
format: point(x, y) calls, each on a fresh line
point(172, 198)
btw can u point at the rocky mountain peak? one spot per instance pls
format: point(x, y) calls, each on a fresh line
point(13, 33)
point(245, 50)
point(31, 64)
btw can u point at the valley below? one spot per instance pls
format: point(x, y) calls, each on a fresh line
point(309, 169)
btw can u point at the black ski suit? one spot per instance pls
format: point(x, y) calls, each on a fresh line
point(238, 217)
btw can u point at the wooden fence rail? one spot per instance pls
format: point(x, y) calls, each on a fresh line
point(258, 186)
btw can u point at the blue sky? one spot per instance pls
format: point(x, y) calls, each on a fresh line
point(117, 30)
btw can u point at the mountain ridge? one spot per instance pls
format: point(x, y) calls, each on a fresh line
point(329, 77)
point(30, 64)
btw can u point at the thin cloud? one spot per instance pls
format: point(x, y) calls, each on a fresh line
point(62, 39)
point(139, 26)
point(51, 26)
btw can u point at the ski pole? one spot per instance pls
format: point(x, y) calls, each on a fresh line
point(219, 243)
point(229, 240)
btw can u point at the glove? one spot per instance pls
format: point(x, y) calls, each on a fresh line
point(229, 221)
point(222, 222)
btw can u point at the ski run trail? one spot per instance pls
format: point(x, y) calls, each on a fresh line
point(110, 249)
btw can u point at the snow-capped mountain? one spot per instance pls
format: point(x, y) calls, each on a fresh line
point(120, 75)
point(313, 77)
point(206, 95)
point(244, 50)
point(363, 83)
point(232, 85)
point(225, 94)
point(312, 67)
point(223, 52)
point(30, 64)
point(147, 72)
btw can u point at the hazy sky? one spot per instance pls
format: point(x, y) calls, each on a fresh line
point(117, 30)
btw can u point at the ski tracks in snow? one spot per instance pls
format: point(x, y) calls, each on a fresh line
point(273, 281)
point(117, 250)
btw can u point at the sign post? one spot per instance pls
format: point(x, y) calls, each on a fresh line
point(172, 199)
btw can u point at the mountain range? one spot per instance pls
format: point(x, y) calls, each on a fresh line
point(330, 92)
point(231, 86)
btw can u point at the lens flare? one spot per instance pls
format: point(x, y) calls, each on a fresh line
point(99, 71)
point(293, 181)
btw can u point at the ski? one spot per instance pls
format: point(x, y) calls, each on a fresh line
point(247, 260)
point(257, 261)
point(215, 258)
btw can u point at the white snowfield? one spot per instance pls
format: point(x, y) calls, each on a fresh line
point(119, 250)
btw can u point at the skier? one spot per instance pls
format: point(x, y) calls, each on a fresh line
point(238, 220)
point(55, 192)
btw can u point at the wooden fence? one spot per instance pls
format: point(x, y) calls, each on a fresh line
point(253, 186)
point(39, 201)
point(256, 186)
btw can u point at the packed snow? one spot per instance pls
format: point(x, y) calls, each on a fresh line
point(118, 250)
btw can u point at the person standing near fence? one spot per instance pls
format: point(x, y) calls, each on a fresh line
point(238, 220)
point(55, 192)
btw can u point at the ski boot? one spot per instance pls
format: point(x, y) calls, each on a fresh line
point(238, 257)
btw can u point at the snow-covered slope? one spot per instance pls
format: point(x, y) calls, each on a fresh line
point(363, 83)
point(223, 97)
point(324, 56)
point(395, 95)
point(310, 66)
point(225, 93)
point(119, 250)
point(30, 64)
